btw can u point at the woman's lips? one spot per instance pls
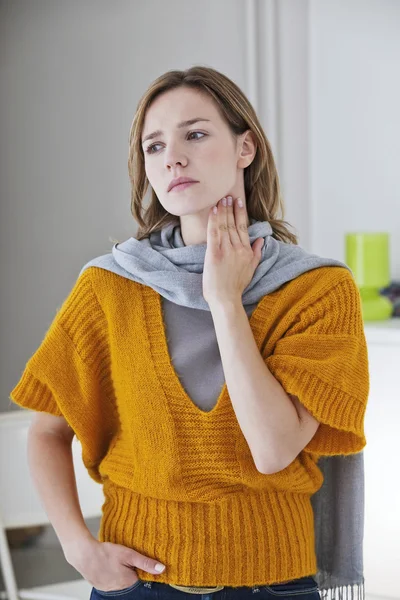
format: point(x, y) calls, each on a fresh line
point(182, 186)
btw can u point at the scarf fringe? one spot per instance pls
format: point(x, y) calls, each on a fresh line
point(344, 592)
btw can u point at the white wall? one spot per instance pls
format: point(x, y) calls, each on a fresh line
point(292, 30)
point(355, 122)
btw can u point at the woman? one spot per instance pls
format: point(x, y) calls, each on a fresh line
point(211, 472)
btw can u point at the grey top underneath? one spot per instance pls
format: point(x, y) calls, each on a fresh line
point(194, 351)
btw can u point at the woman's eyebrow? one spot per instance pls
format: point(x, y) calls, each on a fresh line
point(182, 124)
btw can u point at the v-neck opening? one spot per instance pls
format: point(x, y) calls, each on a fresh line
point(162, 358)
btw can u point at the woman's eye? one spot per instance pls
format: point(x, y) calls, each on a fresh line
point(201, 133)
point(150, 149)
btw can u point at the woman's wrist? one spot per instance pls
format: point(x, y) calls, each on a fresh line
point(76, 548)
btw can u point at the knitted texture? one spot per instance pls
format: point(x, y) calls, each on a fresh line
point(180, 483)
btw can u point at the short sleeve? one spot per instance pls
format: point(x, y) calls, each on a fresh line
point(66, 374)
point(323, 360)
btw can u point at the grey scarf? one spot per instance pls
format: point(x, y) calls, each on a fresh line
point(174, 270)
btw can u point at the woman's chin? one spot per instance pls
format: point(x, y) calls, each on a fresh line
point(183, 209)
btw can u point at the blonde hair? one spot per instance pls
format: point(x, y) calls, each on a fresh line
point(261, 182)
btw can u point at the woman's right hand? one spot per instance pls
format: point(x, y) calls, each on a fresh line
point(107, 566)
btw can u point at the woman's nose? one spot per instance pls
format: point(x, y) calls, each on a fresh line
point(173, 156)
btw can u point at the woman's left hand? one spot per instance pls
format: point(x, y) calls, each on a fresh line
point(230, 260)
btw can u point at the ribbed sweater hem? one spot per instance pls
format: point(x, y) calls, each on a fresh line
point(257, 538)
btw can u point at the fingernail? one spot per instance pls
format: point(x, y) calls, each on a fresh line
point(240, 202)
point(224, 201)
point(159, 567)
point(229, 200)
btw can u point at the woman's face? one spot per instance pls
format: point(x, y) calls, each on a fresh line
point(204, 151)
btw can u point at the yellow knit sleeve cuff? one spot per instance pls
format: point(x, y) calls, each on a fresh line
point(65, 375)
point(329, 375)
point(56, 380)
point(32, 393)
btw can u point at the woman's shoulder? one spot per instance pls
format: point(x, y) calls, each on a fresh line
point(327, 300)
point(326, 293)
point(105, 283)
point(322, 281)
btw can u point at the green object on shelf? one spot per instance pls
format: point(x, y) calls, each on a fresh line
point(367, 255)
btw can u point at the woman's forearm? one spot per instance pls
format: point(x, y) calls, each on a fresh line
point(266, 415)
point(51, 466)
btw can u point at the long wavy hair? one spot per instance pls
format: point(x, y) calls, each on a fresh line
point(261, 182)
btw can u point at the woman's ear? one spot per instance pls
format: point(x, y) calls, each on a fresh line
point(247, 149)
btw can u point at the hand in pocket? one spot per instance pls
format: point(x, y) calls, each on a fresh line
point(109, 567)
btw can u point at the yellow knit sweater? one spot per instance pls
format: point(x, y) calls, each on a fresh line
point(180, 484)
